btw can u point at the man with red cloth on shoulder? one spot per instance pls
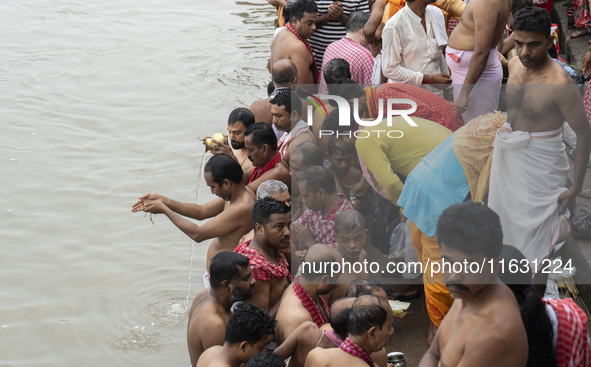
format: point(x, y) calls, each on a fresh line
point(270, 269)
point(261, 147)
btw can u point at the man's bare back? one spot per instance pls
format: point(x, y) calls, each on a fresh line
point(305, 338)
point(480, 16)
point(287, 46)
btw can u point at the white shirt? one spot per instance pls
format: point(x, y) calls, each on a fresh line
point(408, 51)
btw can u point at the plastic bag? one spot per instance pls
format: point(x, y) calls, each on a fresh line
point(581, 224)
point(397, 242)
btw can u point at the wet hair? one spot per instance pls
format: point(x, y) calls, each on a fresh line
point(349, 220)
point(367, 312)
point(356, 21)
point(331, 122)
point(289, 99)
point(285, 74)
point(249, 323)
point(336, 69)
point(223, 167)
point(362, 287)
point(333, 148)
point(532, 19)
point(266, 359)
point(339, 317)
point(243, 115)
point(298, 8)
point(471, 228)
point(225, 266)
point(520, 4)
point(270, 88)
point(262, 133)
point(318, 177)
point(269, 188)
point(310, 152)
point(263, 209)
point(533, 313)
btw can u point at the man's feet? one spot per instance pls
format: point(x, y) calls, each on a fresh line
point(585, 193)
point(580, 32)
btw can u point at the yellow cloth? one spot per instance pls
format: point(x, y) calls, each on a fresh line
point(452, 8)
point(438, 299)
point(385, 156)
point(280, 20)
point(472, 144)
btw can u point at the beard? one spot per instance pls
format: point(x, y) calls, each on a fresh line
point(240, 295)
point(237, 145)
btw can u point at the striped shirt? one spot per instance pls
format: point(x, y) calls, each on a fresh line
point(333, 30)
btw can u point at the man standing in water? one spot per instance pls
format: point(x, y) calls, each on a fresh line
point(473, 59)
point(231, 213)
point(231, 281)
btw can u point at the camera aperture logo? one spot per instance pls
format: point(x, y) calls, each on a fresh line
point(345, 115)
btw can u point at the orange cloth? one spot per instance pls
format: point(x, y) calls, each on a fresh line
point(391, 8)
point(280, 20)
point(452, 8)
point(472, 144)
point(438, 299)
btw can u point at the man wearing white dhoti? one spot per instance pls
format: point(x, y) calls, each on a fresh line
point(529, 164)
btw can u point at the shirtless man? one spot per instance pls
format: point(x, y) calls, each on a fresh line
point(303, 157)
point(290, 43)
point(271, 220)
point(249, 330)
point(286, 108)
point(483, 326)
point(345, 173)
point(472, 57)
point(230, 213)
point(533, 208)
point(231, 281)
point(370, 327)
point(238, 121)
point(261, 147)
point(303, 300)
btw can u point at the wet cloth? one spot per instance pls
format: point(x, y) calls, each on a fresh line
point(353, 349)
point(528, 174)
point(317, 316)
point(263, 269)
point(259, 171)
point(437, 296)
point(429, 105)
point(473, 147)
point(359, 58)
point(484, 97)
point(436, 183)
point(572, 339)
point(332, 336)
point(323, 227)
point(285, 140)
point(315, 70)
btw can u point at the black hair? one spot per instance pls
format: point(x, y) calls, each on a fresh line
point(538, 326)
point(471, 228)
point(262, 133)
point(339, 320)
point(266, 359)
point(335, 70)
point(263, 209)
point(333, 148)
point(225, 266)
point(223, 167)
point(284, 75)
point(356, 21)
point(244, 115)
point(362, 287)
point(311, 153)
point(318, 177)
point(532, 19)
point(366, 312)
point(270, 88)
point(331, 122)
point(517, 5)
point(290, 100)
point(249, 323)
point(298, 8)
point(346, 88)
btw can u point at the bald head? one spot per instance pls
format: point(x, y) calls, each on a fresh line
point(367, 312)
point(313, 264)
point(339, 315)
point(284, 73)
point(366, 288)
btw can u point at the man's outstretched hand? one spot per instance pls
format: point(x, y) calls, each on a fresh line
point(140, 205)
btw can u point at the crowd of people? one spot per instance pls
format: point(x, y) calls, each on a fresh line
point(470, 174)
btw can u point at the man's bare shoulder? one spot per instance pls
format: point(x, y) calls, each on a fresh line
point(207, 317)
point(208, 357)
point(286, 40)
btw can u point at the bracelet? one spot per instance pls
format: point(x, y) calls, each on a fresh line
point(325, 18)
point(168, 202)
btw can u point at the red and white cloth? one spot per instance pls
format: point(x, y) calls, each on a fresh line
point(332, 336)
point(355, 350)
point(359, 58)
point(307, 301)
point(323, 227)
point(263, 269)
point(572, 346)
point(258, 171)
point(587, 103)
point(285, 140)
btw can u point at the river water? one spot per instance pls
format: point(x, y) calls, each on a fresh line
point(100, 103)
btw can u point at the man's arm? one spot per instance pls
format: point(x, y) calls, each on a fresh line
point(431, 358)
point(262, 295)
point(571, 106)
point(369, 31)
point(194, 211)
point(485, 20)
point(301, 59)
point(203, 334)
point(277, 3)
point(279, 173)
point(286, 326)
